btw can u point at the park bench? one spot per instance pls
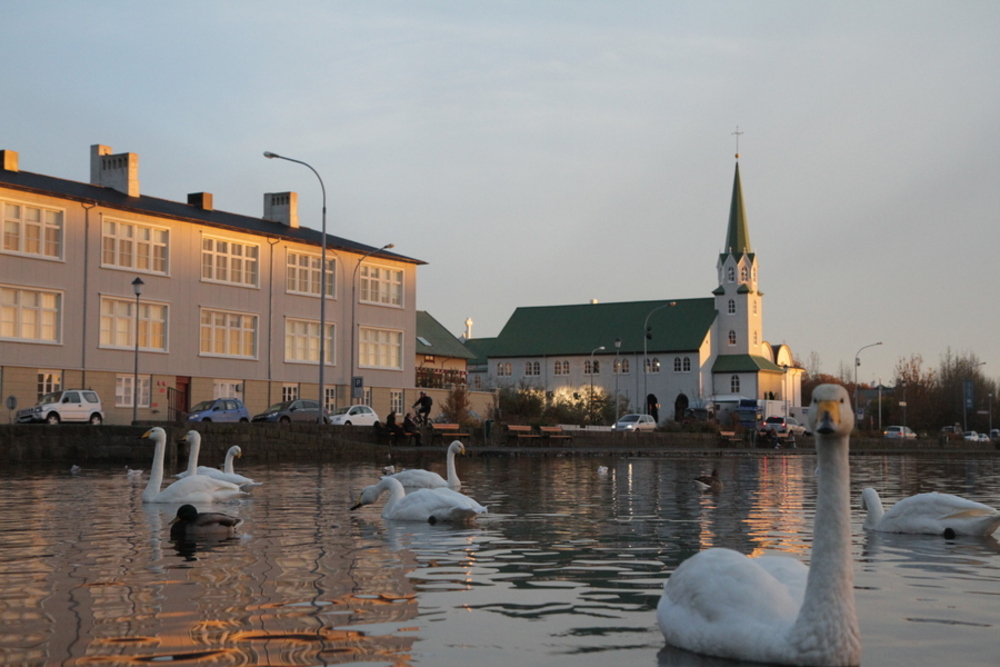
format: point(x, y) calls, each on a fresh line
point(447, 431)
point(521, 432)
point(555, 433)
point(730, 437)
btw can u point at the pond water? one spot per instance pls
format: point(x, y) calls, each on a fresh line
point(566, 569)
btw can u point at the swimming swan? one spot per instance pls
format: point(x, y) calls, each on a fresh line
point(417, 478)
point(198, 489)
point(190, 524)
point(775, 609)
point(709, 482)
point(930, 514)
point(427, 505)
point(227, 474)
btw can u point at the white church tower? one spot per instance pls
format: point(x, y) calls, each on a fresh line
point(737, 298)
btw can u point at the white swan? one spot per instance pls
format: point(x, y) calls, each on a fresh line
point(930, 514)
point(418, 478)
point(774, 609)
point(227, 474)
point(427, 505)
point(198, 489)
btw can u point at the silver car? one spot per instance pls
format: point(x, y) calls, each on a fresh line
point(299, 410)
point(634, 422)
point(354, 415)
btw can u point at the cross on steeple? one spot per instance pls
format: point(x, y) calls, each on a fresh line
point(737, 133)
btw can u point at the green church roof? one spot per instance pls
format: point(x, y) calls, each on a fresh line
point(434, 339)
point(738, 232)
point(744, 363)
point(578, 329)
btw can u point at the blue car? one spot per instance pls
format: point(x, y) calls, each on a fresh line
point(219, 410)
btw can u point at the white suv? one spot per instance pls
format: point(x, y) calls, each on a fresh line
point(68, 405)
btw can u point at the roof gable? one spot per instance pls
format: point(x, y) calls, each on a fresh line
point(434, 339)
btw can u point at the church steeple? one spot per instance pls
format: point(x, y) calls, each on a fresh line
point(738, 233)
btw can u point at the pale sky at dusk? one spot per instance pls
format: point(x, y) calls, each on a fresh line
point(546, 153)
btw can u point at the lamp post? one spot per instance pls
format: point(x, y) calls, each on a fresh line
point(857, 362)
point(967, 396)
point(354, 301)
point(990, 406)
point(137, 288)
point(591, 410)
point(618, 372)
point(646, 335)
point(322, 287)
point(784, 389)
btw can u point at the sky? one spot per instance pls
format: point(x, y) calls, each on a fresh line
point(553, 152)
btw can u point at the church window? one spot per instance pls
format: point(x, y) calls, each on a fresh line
point(532, 368)
point(744, 274)
point(755, 307)
point(653, 365)
point(732, 306)
point(730, 274)
point(562, 368)
point(687, 364)
point(621, 367)
point(503, 369)
point(734, 384)
point(732, 337)
point(677, 364)
point(755, 339)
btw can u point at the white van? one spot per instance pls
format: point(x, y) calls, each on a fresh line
point(68, 405)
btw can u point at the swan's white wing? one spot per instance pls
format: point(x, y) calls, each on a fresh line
point(416, 478)
point(442, 505)
point(198, 489)
point(231, 477)
point(933, 513)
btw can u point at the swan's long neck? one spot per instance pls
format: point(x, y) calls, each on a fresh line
point(396, 493)
point(156, 471)
point(228, 467)
point(453, 480)
point(828, 621)
point(194, 444)
point(873, 505)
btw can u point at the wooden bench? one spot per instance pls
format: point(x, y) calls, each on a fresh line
point(447, 431)
point(730, 437)
point(520, 431)
point(554, 433)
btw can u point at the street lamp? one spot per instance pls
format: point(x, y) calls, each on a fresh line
point(646, 335)
point(591, 410)
point(354, 301)
point(322, 288)
point(857, 362)
point(967, 396)
point(618, 372)
point(137, 288)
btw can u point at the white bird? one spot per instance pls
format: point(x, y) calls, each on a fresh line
point(602, 470)
point(709, 482)
point(930, 514)
point(132, 474)
point(418, 478)
point(227, 474)
point(74, 470)
point(388, 470)
point(774, 609)
point(427, 505)
point(198, 489)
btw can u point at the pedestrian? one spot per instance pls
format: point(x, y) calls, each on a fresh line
point(410, 428)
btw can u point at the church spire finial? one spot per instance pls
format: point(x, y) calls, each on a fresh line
point(737, 133)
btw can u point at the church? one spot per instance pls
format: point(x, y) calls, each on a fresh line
point(665, 357)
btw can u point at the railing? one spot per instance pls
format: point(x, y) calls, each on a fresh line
point(439, 378)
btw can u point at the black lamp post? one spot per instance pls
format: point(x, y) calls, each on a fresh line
point(137, 288)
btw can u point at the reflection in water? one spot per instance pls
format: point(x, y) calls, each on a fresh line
point(566, 568)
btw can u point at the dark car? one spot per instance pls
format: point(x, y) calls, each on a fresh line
point(299, 410)
point(219, 410)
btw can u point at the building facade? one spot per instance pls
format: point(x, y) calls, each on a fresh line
point(229, 305)
point(663, 356)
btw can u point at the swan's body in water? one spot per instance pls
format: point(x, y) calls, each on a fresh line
point(774, 609)
point(417, 478)
point(426, 505)
point(192, 489)
point(190, 524)
point(709, 482)
point(930, 514)
point(227, 474)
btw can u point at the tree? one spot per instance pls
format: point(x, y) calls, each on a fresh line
point(455, 407)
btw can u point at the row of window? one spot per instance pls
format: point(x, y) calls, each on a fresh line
point(732, 337)
point(38, 231)
point(731, 307)
point(592, 367)
point(744, 274)
point(29, 315)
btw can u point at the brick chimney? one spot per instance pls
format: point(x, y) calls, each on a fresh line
point(202, 200)
point(282, 207)
point(8, 160)
point(118, 172)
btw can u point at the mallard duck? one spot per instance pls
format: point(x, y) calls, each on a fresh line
point(192, 524)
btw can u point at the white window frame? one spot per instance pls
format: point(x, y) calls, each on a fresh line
point(40, 322)
point(238, 330)
point(652, 365)
point(731, 307)
point(396, 401)
point(503, 369)
point(135, 247)
point(48, 381)
point(15, 228)
point(302, 342)
point(289, 391)
point(118, 325)
point(561, 368)
point(124, 391)
point(217, 261)
point(381, 285)
point(532, 369)
point(380, 348)
point(732, 337)
point(302, 274)
point(227, 389)
point(734, 384)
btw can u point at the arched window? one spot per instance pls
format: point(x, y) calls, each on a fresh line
point(597, 367)
point(734, 384)
point(656, 365)
point(677, 364)
point(625, 366)
point(565, 368)
point(687, 364)
point(744, 274)
point(755, 338)
point(755, 306)
point(503, 369)
point(507, 368)
point(732, 337)
point(731, 274)
point(732, 307)
point(527, 368)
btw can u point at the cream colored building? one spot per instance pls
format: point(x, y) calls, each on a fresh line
point(229, 305)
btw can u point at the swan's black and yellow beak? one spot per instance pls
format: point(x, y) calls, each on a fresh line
point(357, 506)
point(828, 416)
point(145, 435)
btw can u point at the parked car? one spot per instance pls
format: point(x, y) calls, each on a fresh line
point(995, 434)
point(983, 437)
point(299, 410)
point(789, 425)
point(971, 436)
point(219, 410)
point(68, 405)
point(634, 422)
point(356, 415)
point(899, 433)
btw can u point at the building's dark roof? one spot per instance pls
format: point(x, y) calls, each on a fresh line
point(738, 232)
point(744, 363)
point(104, 196)
point(480, 349)
point(578, 329)
point(439, 341)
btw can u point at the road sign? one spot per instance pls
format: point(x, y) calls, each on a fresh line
point(358, 386)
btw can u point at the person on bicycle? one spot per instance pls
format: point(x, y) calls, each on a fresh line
point(423, 406)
